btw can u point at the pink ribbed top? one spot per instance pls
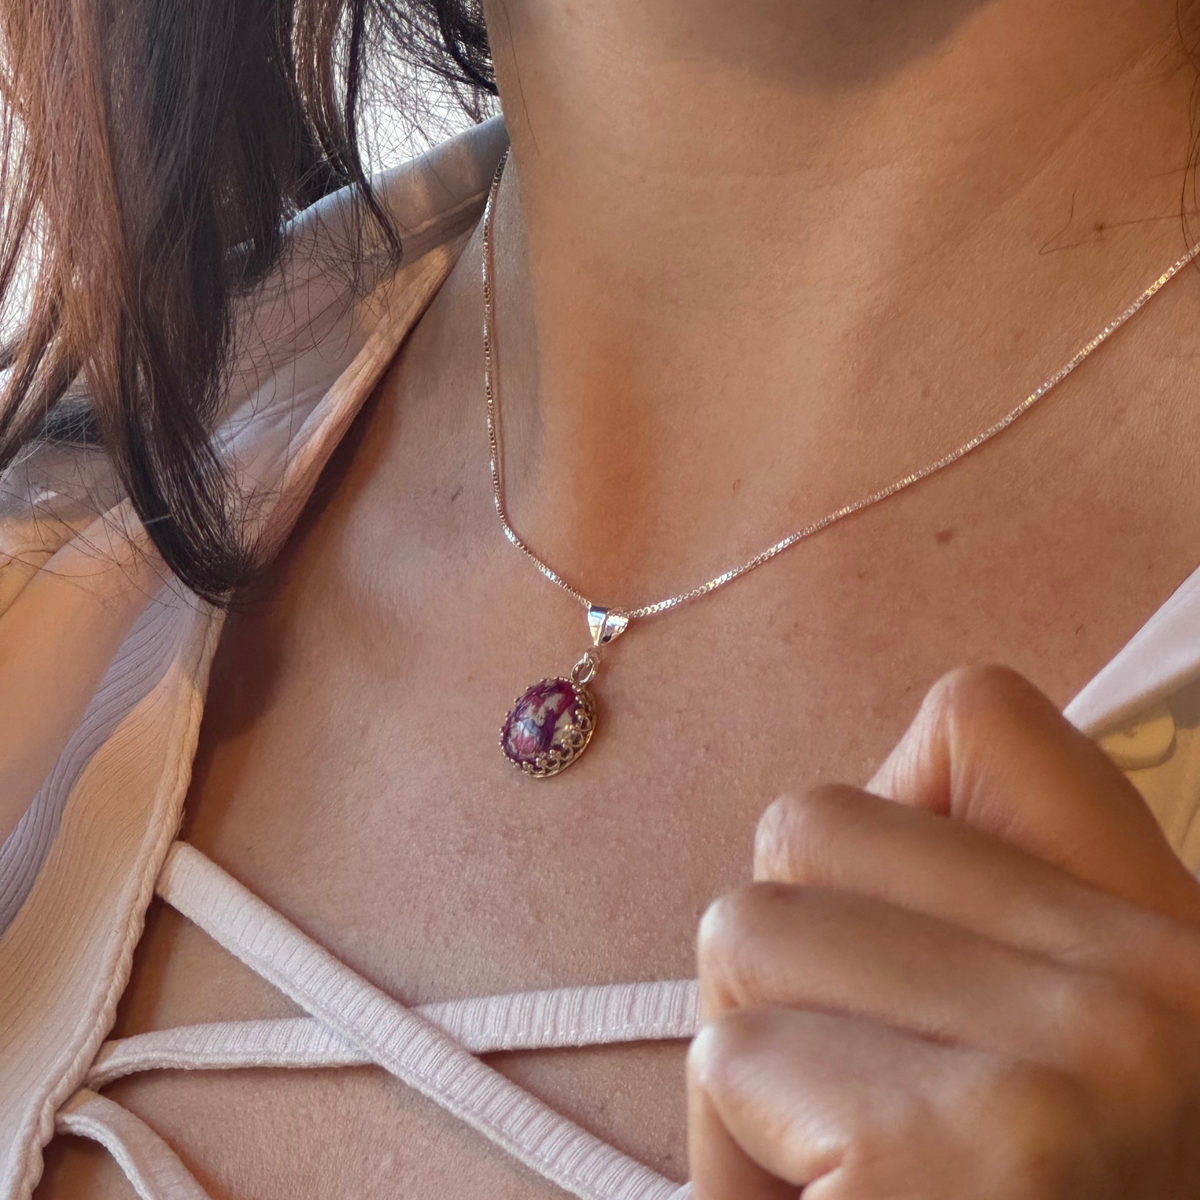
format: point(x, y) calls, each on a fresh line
point(351, 1022)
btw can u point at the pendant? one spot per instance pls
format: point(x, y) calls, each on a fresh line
point(551, 723)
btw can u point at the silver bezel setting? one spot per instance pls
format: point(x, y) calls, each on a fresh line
point(571, 741)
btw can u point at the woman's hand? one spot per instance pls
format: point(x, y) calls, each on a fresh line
point(1003, 1004)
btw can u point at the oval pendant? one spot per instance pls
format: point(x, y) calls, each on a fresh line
point(548, 727)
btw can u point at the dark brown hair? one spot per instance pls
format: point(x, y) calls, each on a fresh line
point(151, 152)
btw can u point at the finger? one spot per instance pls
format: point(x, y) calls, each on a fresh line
point(988, 748)
point(851, 1109)
point(770, 1082)
point(841, 837)
point(728, 1173)
point(811, 948)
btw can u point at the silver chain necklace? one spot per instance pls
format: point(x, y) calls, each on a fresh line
point(551, 723)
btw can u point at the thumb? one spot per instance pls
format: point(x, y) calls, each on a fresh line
point(989, 749)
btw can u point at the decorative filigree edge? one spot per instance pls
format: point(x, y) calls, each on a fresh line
point(569, 745)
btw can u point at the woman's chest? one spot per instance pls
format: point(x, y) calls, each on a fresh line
point(349, 773)
point(349, 769)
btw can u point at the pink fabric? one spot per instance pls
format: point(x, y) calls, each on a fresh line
point(148, 1162)
point(581, 1016)
point(102, 682)
point(400, 1040)
point(102, 677)
point(226, 1045)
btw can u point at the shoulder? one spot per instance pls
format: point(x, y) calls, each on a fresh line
point(335, 256)
point(297, 333)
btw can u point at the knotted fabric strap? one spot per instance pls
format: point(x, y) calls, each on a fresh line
point(406, 1043)
point(583, 1016)
point(150, 1165)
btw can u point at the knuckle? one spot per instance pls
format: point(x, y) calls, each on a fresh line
point(1041, 1129)
point(729, 923)
point(1096, 1012)
point(795, 835)
point(736, 942)
point(981, 691)
point(779, 830)
point(721, 1047)
point(1125, 1041)
point(1015, 1087)
point(706, 1056)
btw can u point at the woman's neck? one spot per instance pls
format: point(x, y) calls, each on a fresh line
point(768, 255)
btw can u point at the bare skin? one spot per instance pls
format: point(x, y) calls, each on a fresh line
point(861, 243)
point(908, 1006)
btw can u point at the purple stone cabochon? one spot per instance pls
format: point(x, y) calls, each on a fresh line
point(537, 719)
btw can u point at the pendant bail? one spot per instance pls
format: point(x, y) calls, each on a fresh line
point(606, 624)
